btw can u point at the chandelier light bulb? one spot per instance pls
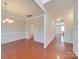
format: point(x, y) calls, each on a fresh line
point(4, 21)
point(11, 21)
point(7, 20)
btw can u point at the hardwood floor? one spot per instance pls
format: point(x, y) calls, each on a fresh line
point(22, 49)
point(29, 49)
point(60, 50)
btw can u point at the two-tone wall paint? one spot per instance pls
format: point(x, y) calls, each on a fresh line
point(38, 31)
point(12, 31)
point(20, 30)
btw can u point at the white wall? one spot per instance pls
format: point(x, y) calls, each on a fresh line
point(20, 30)
point(50, 30)
point(38, 29)
point(12, 32)
point(68, 33)
point(75, 29)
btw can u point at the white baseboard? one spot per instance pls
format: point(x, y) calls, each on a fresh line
point(9, 37)
point(76, 53)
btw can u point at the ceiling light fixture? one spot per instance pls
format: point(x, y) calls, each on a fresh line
point(29, 15)
point(58, 19)
point(6, 19)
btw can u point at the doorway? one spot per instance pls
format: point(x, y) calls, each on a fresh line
point(60, 28)
point(31, 30)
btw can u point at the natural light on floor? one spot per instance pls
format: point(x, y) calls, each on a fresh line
point(62, 39)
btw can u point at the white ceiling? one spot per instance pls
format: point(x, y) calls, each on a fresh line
point(59, 8)
point(21, 8)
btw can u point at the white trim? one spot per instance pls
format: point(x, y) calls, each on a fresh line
point(45, 29)
point(40, 5)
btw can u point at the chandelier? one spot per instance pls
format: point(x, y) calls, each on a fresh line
point(6, 20)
